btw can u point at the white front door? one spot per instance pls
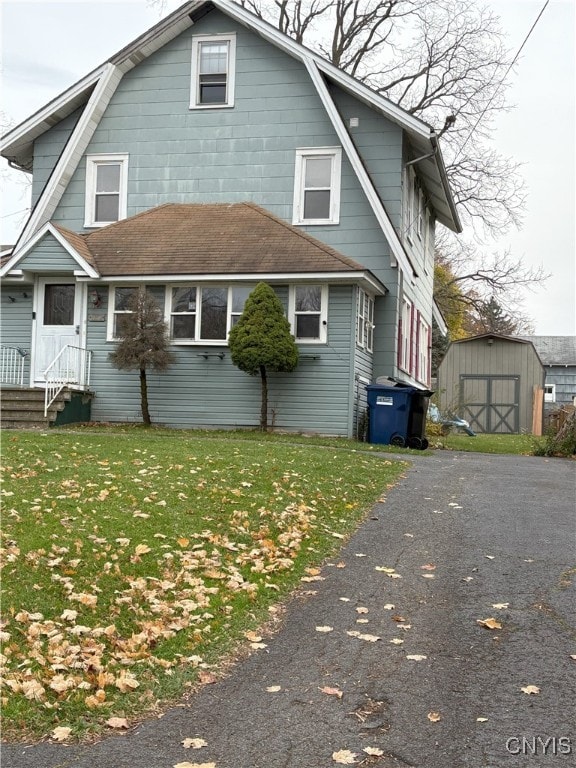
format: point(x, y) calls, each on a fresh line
point(57, 321)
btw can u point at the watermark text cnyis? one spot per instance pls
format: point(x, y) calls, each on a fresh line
point(539, 745)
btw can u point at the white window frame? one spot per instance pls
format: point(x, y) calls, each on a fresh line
point(92, 164)
point(113, 312)
point(197, 42)
point(323, 314)
point(405, 356)
point(302, 155)
point(423, 350)
point(550, 397)
point(365, 321)
point(230, 314)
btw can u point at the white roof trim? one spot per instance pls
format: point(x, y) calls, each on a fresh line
point(440, 322)
point(86, 269)
point(396, 246)
point(74, 150)
point(364, 277)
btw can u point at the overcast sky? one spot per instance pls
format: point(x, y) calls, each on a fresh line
point(47, 46)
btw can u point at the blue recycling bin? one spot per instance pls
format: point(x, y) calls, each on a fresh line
point(397, 415)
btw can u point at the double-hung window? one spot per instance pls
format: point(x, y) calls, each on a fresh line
point(213, 71)
point(106, 189)
point(205, 313)
point(365, 321)
point(308, 311)
point(317, 186)
point(405, 337)
point(423, 351)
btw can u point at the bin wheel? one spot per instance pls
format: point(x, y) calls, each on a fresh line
point(425, 444)
point(397, 440)
point(415, 442)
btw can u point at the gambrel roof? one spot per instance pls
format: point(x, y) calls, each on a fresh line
point(93, 93)
point(555, 350)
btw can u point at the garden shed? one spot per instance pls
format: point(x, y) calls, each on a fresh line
point(494, 382)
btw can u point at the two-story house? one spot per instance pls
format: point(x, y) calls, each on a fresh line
point(212, 153)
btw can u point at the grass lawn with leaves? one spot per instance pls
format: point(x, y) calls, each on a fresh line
point(486, 443)
point(135, 561)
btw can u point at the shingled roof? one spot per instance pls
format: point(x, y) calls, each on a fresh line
point(206, 239)
point(555, 350)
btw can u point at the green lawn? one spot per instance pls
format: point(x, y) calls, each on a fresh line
point(135, 560)
point(513, 444)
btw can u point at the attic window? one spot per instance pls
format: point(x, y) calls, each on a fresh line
point(106, 189)
point(213, 65)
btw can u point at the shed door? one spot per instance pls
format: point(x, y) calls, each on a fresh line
point(491, 403)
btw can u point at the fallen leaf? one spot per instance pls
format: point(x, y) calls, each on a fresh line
point(195, 765)
point(253, 637)
point(194, 743)
point(389, 607)
point(500, 606)
point(206, 678)
point(489, 557)
point(530, 689)
point(117, 722)
point(61, 733)
point(396, 641)
point(573, 656)
point(324, 629)
point(384, 569)
point(332, 691)
point(360, 636)
point(428, 567)
point(274, 688)
point(344, 756)
point(361, 609)
point(373, 751)
point(142, 549)
point(434, 717)
point(490, 623)
point(481, 719)
point(416, 657)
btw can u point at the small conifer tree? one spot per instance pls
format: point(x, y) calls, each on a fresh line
point(143, 343)
point(261, 341)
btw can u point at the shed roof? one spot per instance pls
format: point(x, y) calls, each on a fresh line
point(554, 350)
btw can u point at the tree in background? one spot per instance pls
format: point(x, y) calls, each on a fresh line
point(144, 342)
point(491, 318)
point(261, 341)
point(445, 62)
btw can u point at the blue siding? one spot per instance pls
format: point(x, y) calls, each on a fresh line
point(210, 392)
point(48, 256)
point(16, 319)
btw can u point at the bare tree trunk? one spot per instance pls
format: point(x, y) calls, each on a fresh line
point(264, 404)
point(144, 397)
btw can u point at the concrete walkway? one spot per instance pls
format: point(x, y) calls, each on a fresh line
point(464, 533)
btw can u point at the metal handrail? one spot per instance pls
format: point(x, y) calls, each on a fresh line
point(70, 366)
point(12, 361)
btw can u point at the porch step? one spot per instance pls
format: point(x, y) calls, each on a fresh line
point(23, 408)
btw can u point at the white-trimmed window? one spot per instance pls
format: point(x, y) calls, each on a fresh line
point(118, 308)
point(213, 71)
point(317, 186)
point(308, 313)
point(365, 321)
point(204, 313)
point(405, 337)
point(550, 393)
point(106, 189)
point(423, 350)
point(415, 208)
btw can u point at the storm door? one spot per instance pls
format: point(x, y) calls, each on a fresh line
point(57, 322)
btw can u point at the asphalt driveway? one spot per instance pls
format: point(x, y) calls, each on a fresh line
point(387, 653)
